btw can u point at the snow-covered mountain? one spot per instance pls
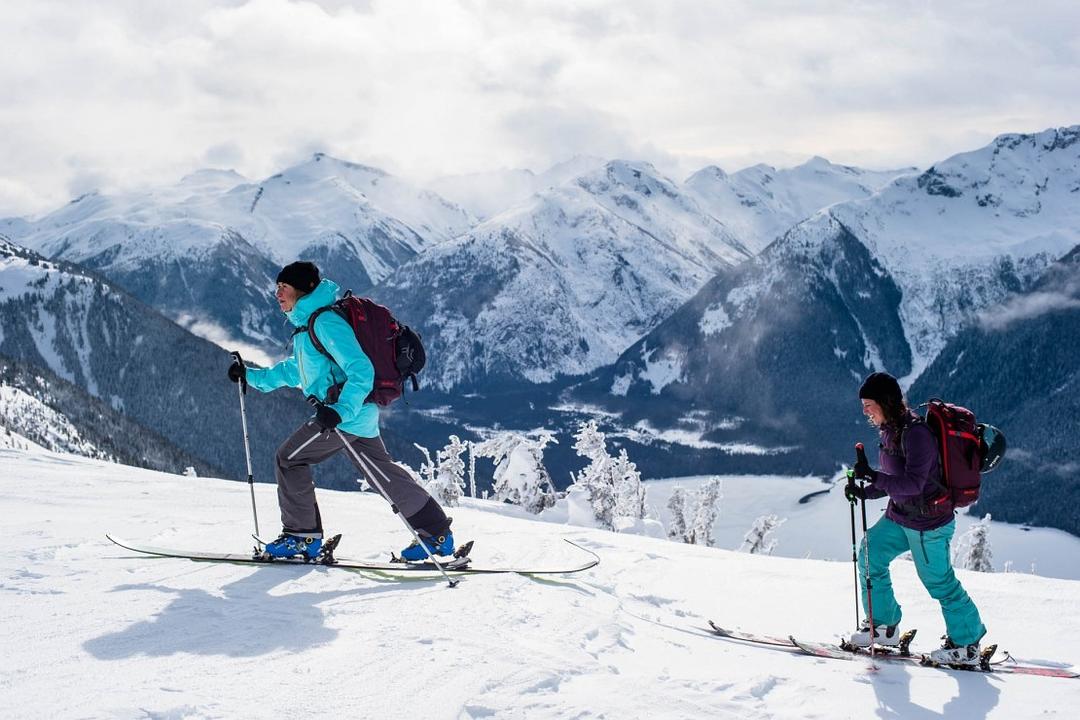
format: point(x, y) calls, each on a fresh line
point(56, 316)
point(761, 203)
point(490, 193)
point(770, 354)
point(1017, 367)
point(206, 250)
point(561, 284)
point(117, 635)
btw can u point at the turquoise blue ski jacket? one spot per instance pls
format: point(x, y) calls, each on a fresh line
point(314, 374)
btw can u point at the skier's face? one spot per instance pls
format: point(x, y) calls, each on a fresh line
point(873, 412)
point(286, 296)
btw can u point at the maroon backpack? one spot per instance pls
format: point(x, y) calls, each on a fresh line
point(394, 349)
point(961, 450)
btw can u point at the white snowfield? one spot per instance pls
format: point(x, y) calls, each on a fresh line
point(92, 631)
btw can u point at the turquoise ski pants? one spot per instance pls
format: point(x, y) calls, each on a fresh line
point(930, 552)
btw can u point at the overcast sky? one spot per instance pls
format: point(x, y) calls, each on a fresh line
point(120, 93)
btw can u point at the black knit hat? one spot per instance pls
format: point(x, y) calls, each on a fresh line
point(302, 275)
point(881, 386)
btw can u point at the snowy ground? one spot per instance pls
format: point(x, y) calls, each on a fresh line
point(91, 631)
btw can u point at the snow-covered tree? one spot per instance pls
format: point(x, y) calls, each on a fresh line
point(708, 507)
point(591, 444)
point(693, 514)
point(613, 484)
point(629, 490)
point(756, 540)
point(472, 469)
point(448, 484)
point(973, 551)
point(427, 468)
point(520, 475)
point(443, 477)
point(677, 504)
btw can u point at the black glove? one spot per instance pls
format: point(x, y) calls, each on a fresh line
point(326, 417)
point(237, 372)
point(854, 492)
point(863, 471)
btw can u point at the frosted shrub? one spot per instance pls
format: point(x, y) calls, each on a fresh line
point(756, 540)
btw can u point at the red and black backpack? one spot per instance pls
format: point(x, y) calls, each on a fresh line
point(966, 449)
point(395, 350)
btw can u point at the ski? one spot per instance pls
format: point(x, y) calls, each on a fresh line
point(458, 564)
point(751, 637)
point(1006, 665)
point(902, 654)
point(786, 643)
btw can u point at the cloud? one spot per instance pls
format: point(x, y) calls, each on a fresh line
point(147, 92)
point(224, 155)
point(211, 331)
point(1028, 307)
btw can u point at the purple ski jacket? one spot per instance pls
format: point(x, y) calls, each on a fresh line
point(910, 476)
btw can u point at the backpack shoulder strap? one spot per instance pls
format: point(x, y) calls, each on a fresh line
point(310, 329)
point(919, 420)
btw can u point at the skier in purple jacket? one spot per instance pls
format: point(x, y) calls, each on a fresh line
point(919, 518)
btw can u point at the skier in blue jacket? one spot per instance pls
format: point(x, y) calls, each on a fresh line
point(340, 387)
point(919, 518)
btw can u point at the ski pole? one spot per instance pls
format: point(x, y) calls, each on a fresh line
point(861, 454)
point(393, 506)
point(241, 388)
point(854, 551)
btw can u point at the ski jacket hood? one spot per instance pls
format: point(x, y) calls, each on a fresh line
point(325, 293)
point(342, 383)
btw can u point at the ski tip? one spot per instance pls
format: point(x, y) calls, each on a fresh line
point(585, 549)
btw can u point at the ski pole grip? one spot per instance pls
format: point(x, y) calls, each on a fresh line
point(860, 453)
point(240, 361)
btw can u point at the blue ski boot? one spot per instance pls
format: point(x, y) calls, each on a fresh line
point(287, 546)
point(441, 545)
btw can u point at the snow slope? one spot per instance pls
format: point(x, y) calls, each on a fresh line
point(102, 633)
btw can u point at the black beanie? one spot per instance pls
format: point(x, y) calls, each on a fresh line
point(881, 386)
point(302, 275)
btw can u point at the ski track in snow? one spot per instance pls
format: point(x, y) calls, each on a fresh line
point(110, 634)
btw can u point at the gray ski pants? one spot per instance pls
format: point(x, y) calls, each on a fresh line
point(311, 445)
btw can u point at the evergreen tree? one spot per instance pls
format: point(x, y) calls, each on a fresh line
point(472, 469)
point(708, 508)
point(677, 503)
point(629, 490)
point(596, 478)
point(448, 484)
point(973, 551)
